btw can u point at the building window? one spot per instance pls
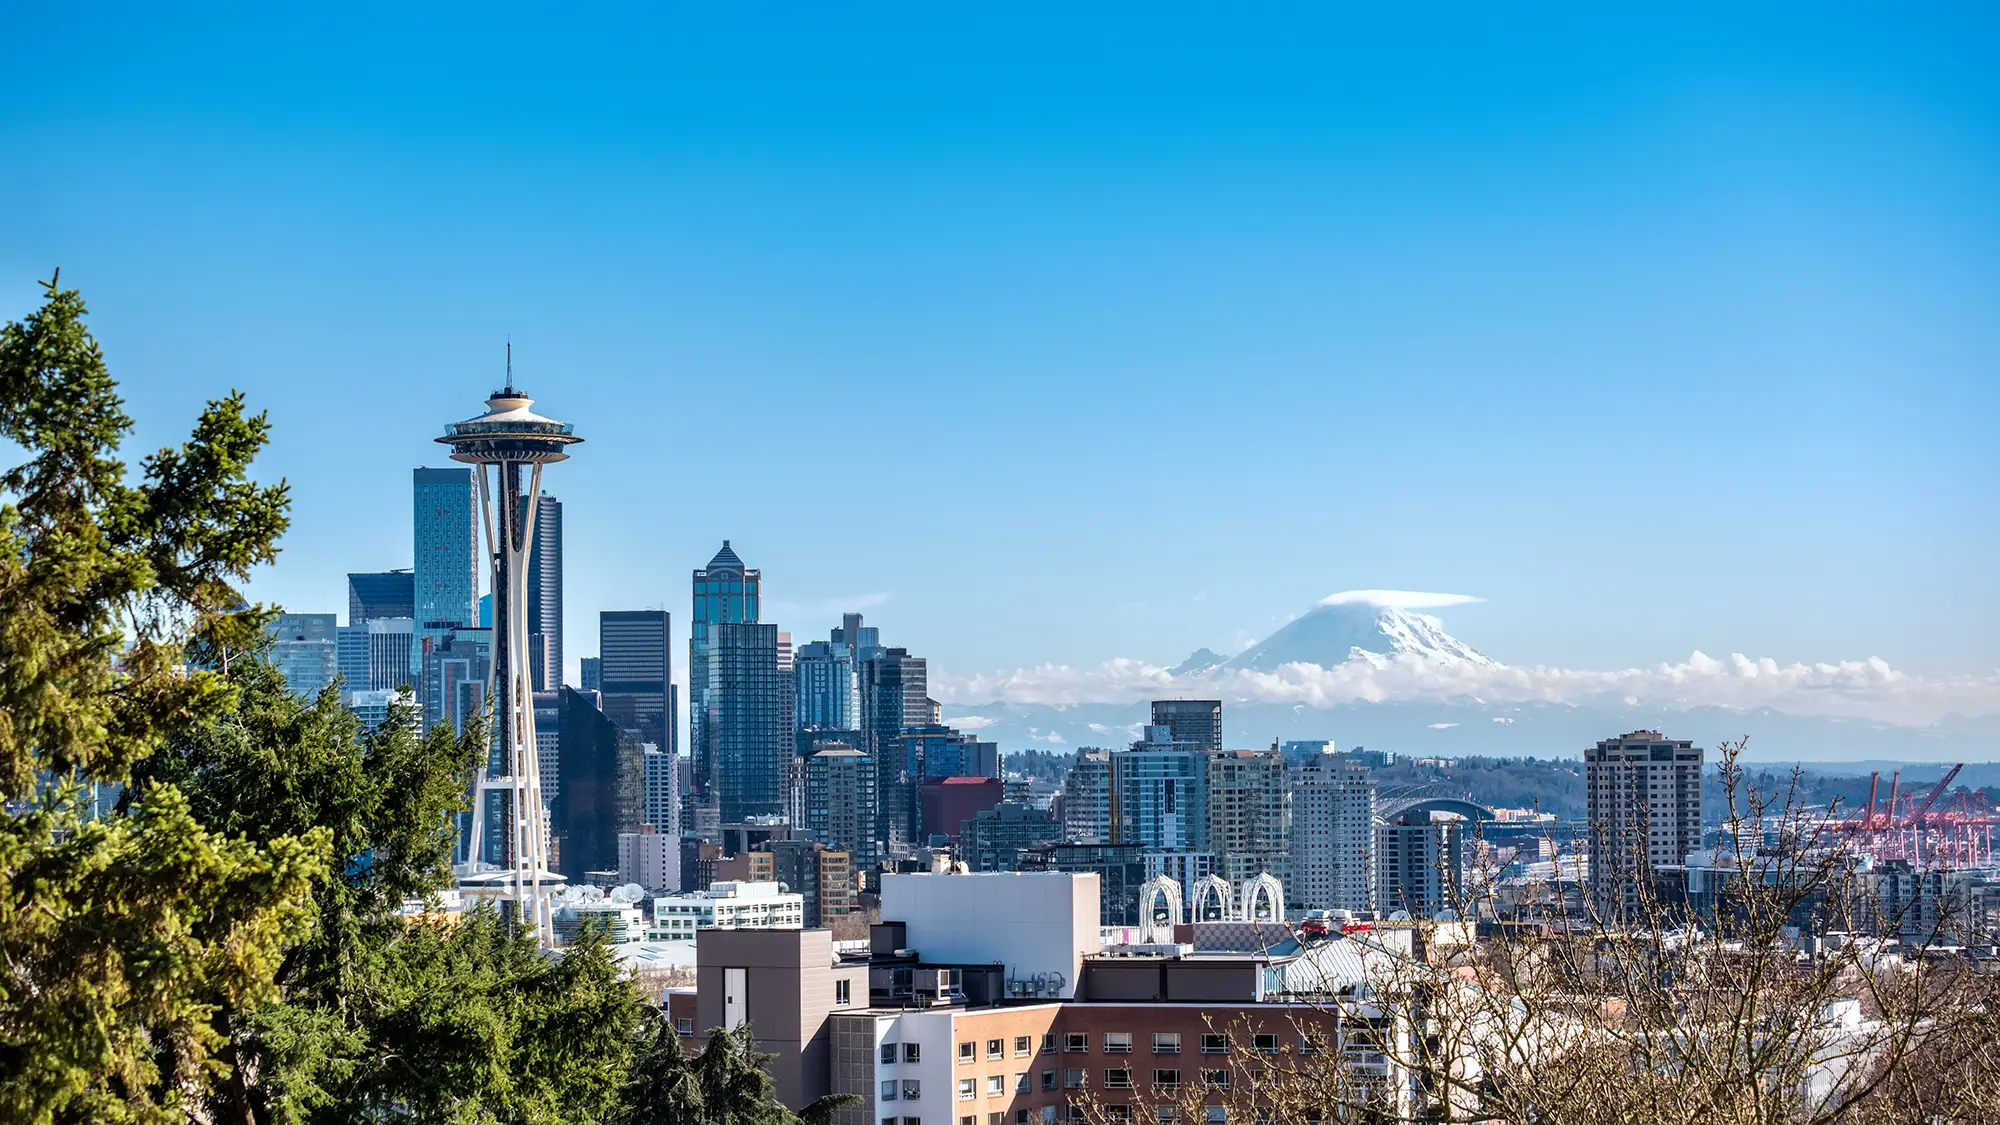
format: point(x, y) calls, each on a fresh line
point(1021, 1082)
point(841, 993)
point(888, 1054)
point(965, 1090)
point(1215, 1079)
point(1020, 1117)
point(1076, 1113)
point(996, 1085)
point(1118, 1079)
point(1164, 1114)
point(1308, 1045)
point(1267, 1044)
point(968, 1119)
point(996, 1048)
point(1076, 1041)
point(1167, 1079)
point(1048, 1115)
point(1024, 1044)
point(1215, 1044)
point(1166, 1042)
point(996, 1119)
point(913, 1089)
point(1048, 1044)
point(913, 1052)
point(1073, 1079)
point(889, 1090)
point(1215, 1115)
point(913, 1121)
point(1117, 1042)
point(888, 1121)
point(1118, 1113)
point(684, 1025)
point(968, 1051)
point(1048, 1080)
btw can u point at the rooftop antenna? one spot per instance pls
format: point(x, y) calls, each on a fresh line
point(510, 365)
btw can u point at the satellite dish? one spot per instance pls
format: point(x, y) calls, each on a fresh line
point(1447, 915)
point(1400, 916)
point(628, 893)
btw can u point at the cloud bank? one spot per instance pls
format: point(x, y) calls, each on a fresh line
point(1860, 689)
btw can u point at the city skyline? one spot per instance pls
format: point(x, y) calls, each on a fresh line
point(1647, 341)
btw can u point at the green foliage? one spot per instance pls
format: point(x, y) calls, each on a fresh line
point(726, 1084)
point(123, 938)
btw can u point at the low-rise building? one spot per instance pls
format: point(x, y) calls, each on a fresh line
point(726, 906)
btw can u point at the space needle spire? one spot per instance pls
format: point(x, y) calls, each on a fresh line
point(510, 438)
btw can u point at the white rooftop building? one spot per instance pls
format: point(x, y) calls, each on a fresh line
point(727, 906)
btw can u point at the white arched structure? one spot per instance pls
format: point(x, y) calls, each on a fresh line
point(1212, 889)
point(1264, 889)
point(1150, 926)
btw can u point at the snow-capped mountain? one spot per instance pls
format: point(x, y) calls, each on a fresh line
point(1354, 626)
point(1199, 661)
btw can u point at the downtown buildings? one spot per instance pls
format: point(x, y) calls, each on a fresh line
point(1643, 796)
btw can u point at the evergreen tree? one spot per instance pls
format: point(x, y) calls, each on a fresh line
point(122, 936)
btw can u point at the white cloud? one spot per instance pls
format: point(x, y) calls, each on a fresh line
point(1862, 689)
point(973, 722)
point(1443, 726)
point(1398, 599)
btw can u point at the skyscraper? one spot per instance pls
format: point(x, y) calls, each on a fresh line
point(590, 672)
point(351, 642)
point(445, 580)
point(1197, 722)
point(545, 597)
point(603, 786)
point(1249, 814)
point(1333, 834)
point(455, 671)
point(635, 672)
point(823, 686)
point(1420, 858)
point(391, 649)
point(386, 593)
point(1159, 794)
point(744, 725)
point(305, 650)
point(1643, 797)
point(840, 802)
point(893, 696)
point(724, 591)
point(1086, 798)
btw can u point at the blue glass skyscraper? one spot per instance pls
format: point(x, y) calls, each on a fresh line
point(445, 583)
point(724, 591)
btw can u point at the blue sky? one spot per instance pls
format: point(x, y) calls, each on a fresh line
point(1061, 336)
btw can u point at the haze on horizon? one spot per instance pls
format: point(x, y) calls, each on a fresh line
point(1060, 338)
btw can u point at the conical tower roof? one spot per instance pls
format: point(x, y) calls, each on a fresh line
point(725, 558)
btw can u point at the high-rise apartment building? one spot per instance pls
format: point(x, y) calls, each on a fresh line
point(663, 795)
point(724, 591)
point(894, 697)
point(545, 596)
point(306, 651)
point(1332, 834)
point(840, 801)
point(1249, 814)
point(635, 672)
point(939, 751)
point(744, 721)
point(1642, 792)
point(1086, 798)
point(386, 593)
point(445, 579)
point(590, 673)
point(1197, 722)
point(1159, 793)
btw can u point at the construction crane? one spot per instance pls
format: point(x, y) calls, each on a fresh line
point(1923, 810)
point(1868, 816)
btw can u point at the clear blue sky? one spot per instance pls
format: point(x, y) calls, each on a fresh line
point(1081, 335)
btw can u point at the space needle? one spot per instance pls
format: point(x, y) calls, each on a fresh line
point(512, 438)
